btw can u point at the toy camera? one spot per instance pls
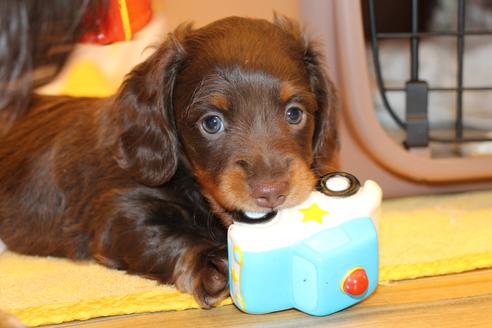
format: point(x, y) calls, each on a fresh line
point(319, 257)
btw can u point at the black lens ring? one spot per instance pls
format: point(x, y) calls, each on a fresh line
point(352, 189)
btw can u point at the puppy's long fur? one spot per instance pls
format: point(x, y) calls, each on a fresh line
point(234, 117)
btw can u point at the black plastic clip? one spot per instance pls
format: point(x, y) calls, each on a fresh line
point(417, 123)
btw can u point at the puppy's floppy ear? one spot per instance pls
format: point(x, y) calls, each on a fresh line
point(146, 142)
point(325, 139)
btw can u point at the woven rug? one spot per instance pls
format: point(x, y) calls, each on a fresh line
point(419, 236)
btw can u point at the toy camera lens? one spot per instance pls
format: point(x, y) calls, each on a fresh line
point(338, 184)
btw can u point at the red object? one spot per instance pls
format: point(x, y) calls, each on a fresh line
point(117, 22)
point(355, 282)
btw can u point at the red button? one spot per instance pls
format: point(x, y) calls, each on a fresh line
point(355, 282)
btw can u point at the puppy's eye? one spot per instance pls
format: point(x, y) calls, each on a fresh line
point(212, 124)
point(294, 115)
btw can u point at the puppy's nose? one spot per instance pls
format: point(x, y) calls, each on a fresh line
point(270, 195)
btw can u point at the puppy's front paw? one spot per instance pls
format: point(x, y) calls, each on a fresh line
point(211, 280)
point(203, 272)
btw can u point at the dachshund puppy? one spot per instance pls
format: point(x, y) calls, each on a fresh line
point(231, 121)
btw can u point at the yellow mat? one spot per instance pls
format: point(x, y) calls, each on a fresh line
point(420, 236)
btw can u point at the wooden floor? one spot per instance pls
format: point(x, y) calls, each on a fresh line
point(461, 300)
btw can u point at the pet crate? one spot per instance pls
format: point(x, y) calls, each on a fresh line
point(411, 155)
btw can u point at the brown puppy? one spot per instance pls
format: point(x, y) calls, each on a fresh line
point(230, 121)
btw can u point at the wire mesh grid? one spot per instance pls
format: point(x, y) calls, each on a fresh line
point(416, 123)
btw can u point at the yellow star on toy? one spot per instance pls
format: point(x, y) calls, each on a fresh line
point(313, 213)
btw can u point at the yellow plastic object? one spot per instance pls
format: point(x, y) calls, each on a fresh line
point(85, 79)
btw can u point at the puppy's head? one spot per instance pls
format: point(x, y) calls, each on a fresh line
point(248, 103)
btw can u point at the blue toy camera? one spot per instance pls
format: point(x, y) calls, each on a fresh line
point(319, 257)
